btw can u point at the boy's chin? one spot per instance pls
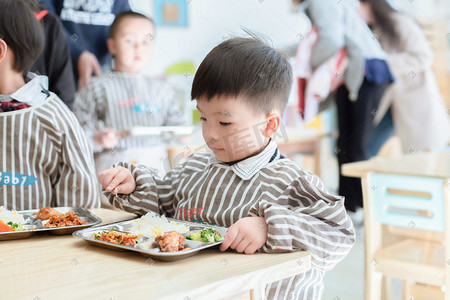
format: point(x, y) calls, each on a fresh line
point(227, 159)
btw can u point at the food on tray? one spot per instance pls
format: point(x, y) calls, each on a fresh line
point(171, 241)
point(152, 225)
point(5, 227)
point(116, 237)
point(68, 219)
point(207, 235)
point(10, 220)
point(47, 212)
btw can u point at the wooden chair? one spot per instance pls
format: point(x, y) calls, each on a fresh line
point(406, 229)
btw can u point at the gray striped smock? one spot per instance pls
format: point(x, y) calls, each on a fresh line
point(300, 213)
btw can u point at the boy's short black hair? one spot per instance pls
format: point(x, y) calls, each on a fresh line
point(247, 68)
point(123, 15)
point(22, 32)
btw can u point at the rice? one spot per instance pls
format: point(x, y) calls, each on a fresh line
point(152, 225)
point(11, 216)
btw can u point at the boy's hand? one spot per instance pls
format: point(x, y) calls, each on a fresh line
point(87, 64)
point(107, 138)
point(246, 235)
point(118, 179)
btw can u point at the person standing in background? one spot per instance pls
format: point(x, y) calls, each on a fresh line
point(366, 79)
point(54, 61)
point(86, 25)
point(412, 106)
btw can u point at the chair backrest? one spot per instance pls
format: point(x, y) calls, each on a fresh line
point(407, 201)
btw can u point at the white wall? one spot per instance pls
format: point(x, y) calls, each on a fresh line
point(424, 9)
point(212, 21)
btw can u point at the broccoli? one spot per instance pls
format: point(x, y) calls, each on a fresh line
point(217, 237)
point(210, 235)
point(207, 235)
point(194, 236)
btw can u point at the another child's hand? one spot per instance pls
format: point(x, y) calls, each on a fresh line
point(118, 179)
point(246, 235)
point(107, 138)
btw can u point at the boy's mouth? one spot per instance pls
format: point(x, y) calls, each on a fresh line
point(215, 149)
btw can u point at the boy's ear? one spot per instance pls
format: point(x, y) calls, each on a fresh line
point(3, 49)
point(272, 125)
point(111, 46)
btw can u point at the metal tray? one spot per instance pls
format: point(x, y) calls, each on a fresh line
point(34, 225)
point(125, 227)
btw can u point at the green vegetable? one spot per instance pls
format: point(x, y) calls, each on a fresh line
point(207, 235)
point(194, 236)
point(15, 226)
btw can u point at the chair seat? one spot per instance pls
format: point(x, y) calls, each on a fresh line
point(414, 260)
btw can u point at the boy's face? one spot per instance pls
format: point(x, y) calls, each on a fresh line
point(132, 44)
point(231, 129)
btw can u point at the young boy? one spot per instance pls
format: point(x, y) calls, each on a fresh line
point(45, 158)
point(269, 203)
point(125, 98)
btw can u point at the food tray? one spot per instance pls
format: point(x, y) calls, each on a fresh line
point(33, 225)
point(125, 227)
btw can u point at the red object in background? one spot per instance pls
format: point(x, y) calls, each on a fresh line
point(40, 14)
point(301, 83)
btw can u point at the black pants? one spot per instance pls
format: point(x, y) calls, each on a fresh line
point(355, 122)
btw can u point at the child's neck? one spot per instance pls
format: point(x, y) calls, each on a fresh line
point(10, 82)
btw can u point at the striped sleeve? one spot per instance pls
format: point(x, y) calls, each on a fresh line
point(151, 193)
point(77, 183)
point(89, 109)
point(307, 217)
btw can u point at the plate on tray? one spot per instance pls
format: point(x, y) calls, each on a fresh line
point(33, 225)
point(125, 227)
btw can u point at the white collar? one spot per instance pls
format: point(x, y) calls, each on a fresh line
point(35, 91)
point(248, 167)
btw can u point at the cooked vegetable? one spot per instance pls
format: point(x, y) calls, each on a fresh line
point(207, 235)
point(116, 237)
point(13, 225)
point(5, 227)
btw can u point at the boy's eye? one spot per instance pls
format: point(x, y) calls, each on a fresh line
point(202, 119)
point(225, 123)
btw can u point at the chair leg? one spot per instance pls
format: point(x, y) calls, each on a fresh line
point(407, 289)
point(374, 284)
point(386, 293)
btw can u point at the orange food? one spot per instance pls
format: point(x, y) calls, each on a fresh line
point(69, 219)
point(5, 227)
point(170, 241)
point(116, 237)
point(47, 212)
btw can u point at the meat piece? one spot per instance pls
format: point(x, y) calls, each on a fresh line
point(47, 212)
point(170, 241)
point(69, 219)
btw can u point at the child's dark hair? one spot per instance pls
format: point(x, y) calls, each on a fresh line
point(22, 32)
point(247, 68)
point(123, 15)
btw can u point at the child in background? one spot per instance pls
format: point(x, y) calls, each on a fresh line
point(46, 158)
point(269, 203)
point(125, 98)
